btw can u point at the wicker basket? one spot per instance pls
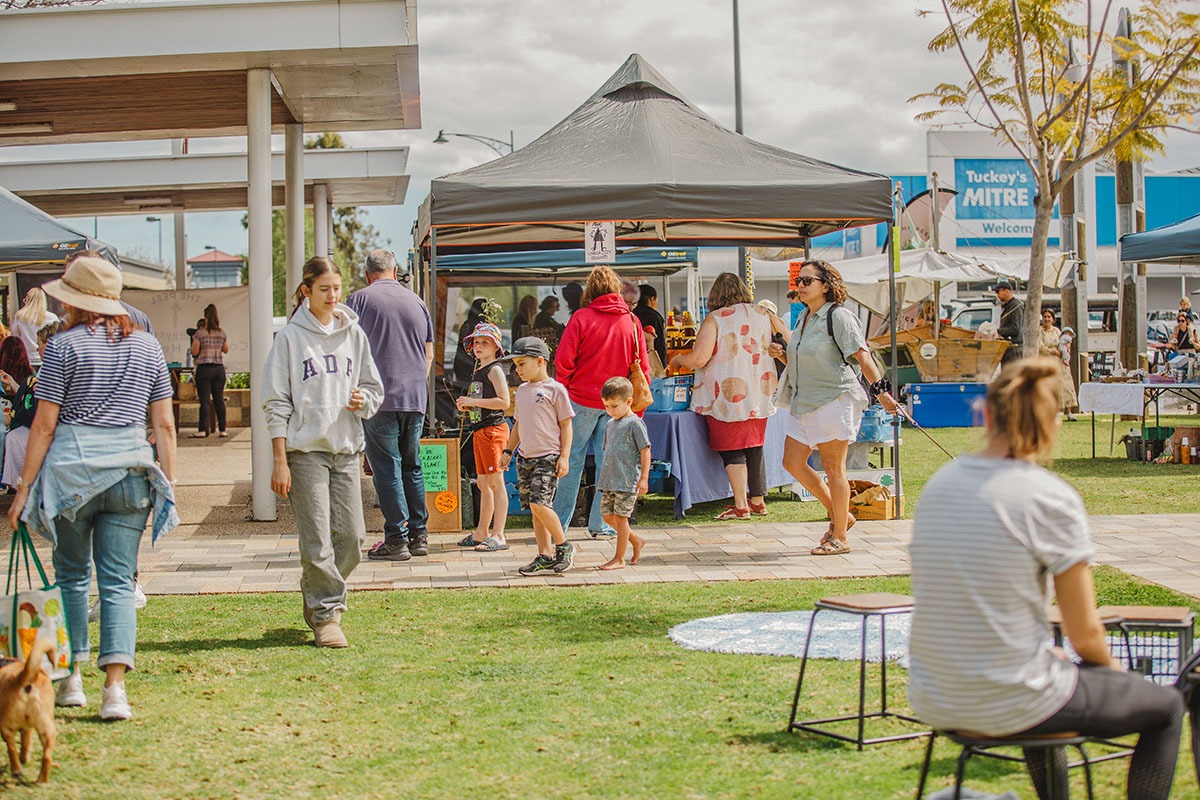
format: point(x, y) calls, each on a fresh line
point(954, 360)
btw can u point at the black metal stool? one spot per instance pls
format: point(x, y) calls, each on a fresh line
point(880, 605)
point(979, 745)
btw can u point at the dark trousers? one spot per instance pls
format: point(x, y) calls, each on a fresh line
point(210, 388)
point(756, 467)
point(1108, 704)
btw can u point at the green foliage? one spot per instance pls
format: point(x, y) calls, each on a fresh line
point(237, 380)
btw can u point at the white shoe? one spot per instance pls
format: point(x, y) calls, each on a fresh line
point(69, 691)
point(114, 705)
point(139, 597)
point(94, 611)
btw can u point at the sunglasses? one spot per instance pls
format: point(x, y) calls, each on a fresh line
point(807, 280)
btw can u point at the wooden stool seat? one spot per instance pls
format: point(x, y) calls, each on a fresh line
point(878, 603)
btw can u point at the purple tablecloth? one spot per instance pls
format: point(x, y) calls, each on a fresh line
point(681, 438)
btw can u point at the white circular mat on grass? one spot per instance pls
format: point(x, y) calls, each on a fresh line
point(782, 634)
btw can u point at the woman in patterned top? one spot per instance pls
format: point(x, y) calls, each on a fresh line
point(209, 344)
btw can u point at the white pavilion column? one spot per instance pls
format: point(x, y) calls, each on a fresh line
point(320, 220)
point(258, 124)
point(177, 149)
point(293, 208)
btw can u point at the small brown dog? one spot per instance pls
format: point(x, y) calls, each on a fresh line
point(26, 705)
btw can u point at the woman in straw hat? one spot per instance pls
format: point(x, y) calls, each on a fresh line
point(100, 482)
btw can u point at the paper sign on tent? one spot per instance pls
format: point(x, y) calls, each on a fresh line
point(599, 243)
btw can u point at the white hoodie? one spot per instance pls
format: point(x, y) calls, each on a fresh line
point(309, 374)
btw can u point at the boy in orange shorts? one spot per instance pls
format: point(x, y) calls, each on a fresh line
point(485, 402)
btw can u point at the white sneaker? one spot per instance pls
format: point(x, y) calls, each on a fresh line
point(114, 705)
point(94, 611)
point(139, 597)
point(69, 691)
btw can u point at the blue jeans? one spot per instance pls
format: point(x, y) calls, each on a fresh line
point(394, 452)
point(587, 431)
point(109, 529)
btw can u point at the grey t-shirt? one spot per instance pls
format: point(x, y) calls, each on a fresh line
point(624, 440)
point(988, 534)
point(397, 325)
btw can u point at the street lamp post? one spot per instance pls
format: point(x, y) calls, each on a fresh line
point(159, 221)
point(498, 145)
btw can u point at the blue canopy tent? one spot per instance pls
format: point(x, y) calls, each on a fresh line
point(1176, 243)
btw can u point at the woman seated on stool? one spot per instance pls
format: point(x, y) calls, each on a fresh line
point(989, 530)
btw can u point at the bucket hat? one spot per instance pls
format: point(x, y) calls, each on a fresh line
point(89, 284)
point(488, 331)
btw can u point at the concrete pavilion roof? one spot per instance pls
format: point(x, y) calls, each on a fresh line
point(165, 70)
point(200, 182)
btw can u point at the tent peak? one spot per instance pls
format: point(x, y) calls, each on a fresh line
point(636, 72)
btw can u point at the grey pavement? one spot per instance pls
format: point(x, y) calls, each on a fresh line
point(217, 549)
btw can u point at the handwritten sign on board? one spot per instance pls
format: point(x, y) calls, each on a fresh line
point(433, 467)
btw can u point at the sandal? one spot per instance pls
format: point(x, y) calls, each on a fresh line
point(490, 545)
point(759, 510)
point(732, 512)
point(199, 436)
point(469, 541)
point(830, 547)
point(850, 524)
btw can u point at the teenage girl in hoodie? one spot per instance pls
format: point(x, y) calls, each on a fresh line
point(321, 383)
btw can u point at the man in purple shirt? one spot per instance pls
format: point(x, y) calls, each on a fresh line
point(400, 332)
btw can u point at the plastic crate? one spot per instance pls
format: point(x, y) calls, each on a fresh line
point(946, 405)
point(660, 478)
point(673, 393)
point(876, 426)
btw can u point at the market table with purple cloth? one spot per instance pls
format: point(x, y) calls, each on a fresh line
point(681, 438)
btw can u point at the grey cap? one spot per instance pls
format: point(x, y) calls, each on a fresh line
point(530, 346)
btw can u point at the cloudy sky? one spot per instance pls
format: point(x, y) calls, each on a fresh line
point(827, 79)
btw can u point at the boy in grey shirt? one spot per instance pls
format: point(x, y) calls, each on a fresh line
point(625, 473)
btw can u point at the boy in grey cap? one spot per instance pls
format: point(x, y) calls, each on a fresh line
point(541, 438)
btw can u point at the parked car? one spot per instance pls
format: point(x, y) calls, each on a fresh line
point(1160, 324)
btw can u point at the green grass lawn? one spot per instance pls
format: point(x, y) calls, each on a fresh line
point(515, 693)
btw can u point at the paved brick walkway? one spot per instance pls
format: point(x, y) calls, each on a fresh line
point(217, 550)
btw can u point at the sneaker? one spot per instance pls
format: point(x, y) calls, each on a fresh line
point(732, 513)
point(397, 550)
point(540, 564)
point(139, 596)
point(418, 544)
point(564, 557)
point(114, 705)
point(329, 634)
point(608, 534)
point(94, 611)
point(69, 692)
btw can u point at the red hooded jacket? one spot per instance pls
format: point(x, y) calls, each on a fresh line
point(599, 343)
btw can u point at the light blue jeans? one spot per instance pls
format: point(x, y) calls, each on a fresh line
point(587, 432)
point(108, 528)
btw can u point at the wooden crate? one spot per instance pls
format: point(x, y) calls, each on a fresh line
point(957, 360)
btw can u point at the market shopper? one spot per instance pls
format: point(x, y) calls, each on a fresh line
point(983, 586)
point(209, 346)
point(90, 480)
point(400, 332)
point(31, 317)
point(824, 397)
point(1050, 345)
point(601, 341)
point(1011, 327)
point(734, 385)
point(653, 324)
point(1183, 338)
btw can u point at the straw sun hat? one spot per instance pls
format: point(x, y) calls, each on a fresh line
point(89, 284)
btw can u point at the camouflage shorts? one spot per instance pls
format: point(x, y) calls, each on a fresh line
point(537, 480)
point(619, 504)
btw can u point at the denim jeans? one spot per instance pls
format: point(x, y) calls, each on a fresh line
point(394, 452)
point(326, 497)
point(587, 431)
point(109, 529)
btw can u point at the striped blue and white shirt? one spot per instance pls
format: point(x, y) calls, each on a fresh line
point(989, 533)
point(102, 381)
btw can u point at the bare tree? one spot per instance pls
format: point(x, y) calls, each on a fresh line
point(1060, 115)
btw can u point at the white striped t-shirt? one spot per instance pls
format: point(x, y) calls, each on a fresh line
point(102, 381)
point(987, 535)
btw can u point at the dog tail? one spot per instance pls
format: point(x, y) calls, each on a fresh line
point(41, 647)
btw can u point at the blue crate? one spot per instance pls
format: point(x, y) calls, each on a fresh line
point(947, 405)
point(660, 474)
point(514, 501)
point(876, 426)
point(673, 393)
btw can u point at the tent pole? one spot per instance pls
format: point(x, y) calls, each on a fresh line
point(431, 304)
point(894, 248)
point(937, 247)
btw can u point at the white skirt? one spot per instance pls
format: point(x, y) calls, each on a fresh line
point(837, 420)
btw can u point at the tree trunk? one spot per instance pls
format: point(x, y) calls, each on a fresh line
point(1043, 205)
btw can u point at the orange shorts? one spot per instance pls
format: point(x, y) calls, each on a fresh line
point(489, 448)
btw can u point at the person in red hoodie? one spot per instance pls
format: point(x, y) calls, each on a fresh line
point(600, 342)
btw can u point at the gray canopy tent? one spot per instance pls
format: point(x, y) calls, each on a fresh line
point(31, 237)
point(639, 154)
point(1178, 242)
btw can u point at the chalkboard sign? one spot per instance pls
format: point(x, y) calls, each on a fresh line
point(443, 484)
